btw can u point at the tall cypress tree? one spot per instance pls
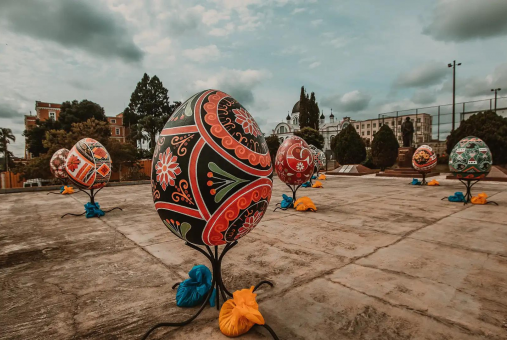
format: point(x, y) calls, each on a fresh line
point(313, 114)
point(303, 109)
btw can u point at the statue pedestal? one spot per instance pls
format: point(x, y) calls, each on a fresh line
point(405, 157)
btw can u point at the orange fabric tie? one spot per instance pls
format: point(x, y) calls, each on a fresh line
point(305, 203)
point(433, 182)
point(67, 190)
point(240, 313)
point(317, 184)
point(480, 199)
point(322, 177)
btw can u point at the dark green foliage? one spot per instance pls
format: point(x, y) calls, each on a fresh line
point(384, 148)
point(488, 126)
point(308, 110)
point(149, 109)
point(78, 112)
point(35, 136)
point(37, 167)
point(348, 146)
point(273, 144)
point(368, 162)
point(311, 136)
point(6, 136)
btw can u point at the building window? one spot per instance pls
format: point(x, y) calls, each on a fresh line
point(367, 126)
point(113, 121)
point(52, 116)
point(418, 120)
point(375, 125)
point(117, 131)
point(418, 128)
point(374, 132)
point(392, 123)
point(368, 132)
point(362, 133)
point(362, 126)
point(281, 129)
point(357, 127)
point(399, 122)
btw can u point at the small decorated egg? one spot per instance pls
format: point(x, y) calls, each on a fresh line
point(57, 163)
point(211, 172)
point(88, 164)
point(294, 163)
point(319, 158)
point(424, 159)
point(470, 159)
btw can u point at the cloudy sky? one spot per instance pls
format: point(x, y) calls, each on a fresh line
point(361, 57)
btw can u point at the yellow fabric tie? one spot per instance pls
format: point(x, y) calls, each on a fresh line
point(322, 177)
point(317, 184)
point(67, 190)
point(433, 182)
point(480, 199)
point(304, 203)
point(240, 313)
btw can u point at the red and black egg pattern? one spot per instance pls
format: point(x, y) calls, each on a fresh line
point(294, 162)
point(211, 172)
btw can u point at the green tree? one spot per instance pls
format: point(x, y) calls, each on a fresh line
point(273, 144)
point(6, 136)
point(311, 136)
point(149, 99)
point(37, 167)
point(348, 146)
point(384, 148)
point(35, 136)
point(488, 126)
point(303, 108)
point(313, 113)
point(77, 112)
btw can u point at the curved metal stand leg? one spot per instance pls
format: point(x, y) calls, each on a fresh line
point(73, 214)
point(270, 330)
point(106, 211)
point(54, 193)
point(217, 284)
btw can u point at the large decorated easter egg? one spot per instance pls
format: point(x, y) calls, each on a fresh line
point(211, 174)
point(470, 159)
point(88, 164)
point(424, 159)
point(317, 157)
point(57, 163)
point(294, 163)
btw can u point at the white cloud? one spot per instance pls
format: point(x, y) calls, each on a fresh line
point(222, 31)
point(298, 10)
point(238, 83)
point(317, 22)
point(314, 64)
point(427, 74)
point(337, 42)
point(462, 20)
point(202, 54)
point(353, 101)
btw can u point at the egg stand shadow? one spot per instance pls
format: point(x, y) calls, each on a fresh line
point(217, 283)
point(468, 196)
point(293, 188)
point(92, 201)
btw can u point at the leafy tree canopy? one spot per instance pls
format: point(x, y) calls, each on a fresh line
point(311, 136)
point(348, 146)
point(488, 126)
point(273, 144)
point(77, 112)
point(384, 148)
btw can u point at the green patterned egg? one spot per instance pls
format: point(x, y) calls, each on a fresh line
point(470, 159)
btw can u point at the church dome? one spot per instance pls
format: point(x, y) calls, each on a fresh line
point(322, 116)
point(295, 109)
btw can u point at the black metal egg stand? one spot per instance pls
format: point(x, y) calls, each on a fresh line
point(92, 201)
point(423, 178)
point(293, 188)
point(217, 283)
point(468, 196)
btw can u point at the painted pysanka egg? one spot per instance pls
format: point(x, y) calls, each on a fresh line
point(57, 163)
point(294, 161)
point(211, 172)
point(319, 157)
point(424, 159)
point(88, 164)
point(470, 159)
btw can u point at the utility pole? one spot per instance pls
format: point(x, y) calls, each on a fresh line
point(453, 65)
point(496, 90)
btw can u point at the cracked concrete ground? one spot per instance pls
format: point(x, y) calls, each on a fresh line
point(380, 259)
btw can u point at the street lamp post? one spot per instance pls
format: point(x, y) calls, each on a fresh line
point(495, 90)
point(453, 65)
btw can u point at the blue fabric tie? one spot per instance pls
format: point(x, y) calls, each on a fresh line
point(287, 202)
point(194, 290)
point(458, 197)
point(314, 177)
point(93, 210)
point(306, 185)
point(62, 189)
point(415, 181)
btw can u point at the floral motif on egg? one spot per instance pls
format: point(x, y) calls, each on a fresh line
point(424, 159)
point(211, 172)
point(88, 164)
point(470, 159)
point(294, 163)
point(57, 163)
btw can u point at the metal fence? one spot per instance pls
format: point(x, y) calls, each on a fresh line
point(441, 115)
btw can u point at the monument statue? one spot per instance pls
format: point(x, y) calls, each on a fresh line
point(407, 131)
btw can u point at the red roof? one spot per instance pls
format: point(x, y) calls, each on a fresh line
point(52, 105)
